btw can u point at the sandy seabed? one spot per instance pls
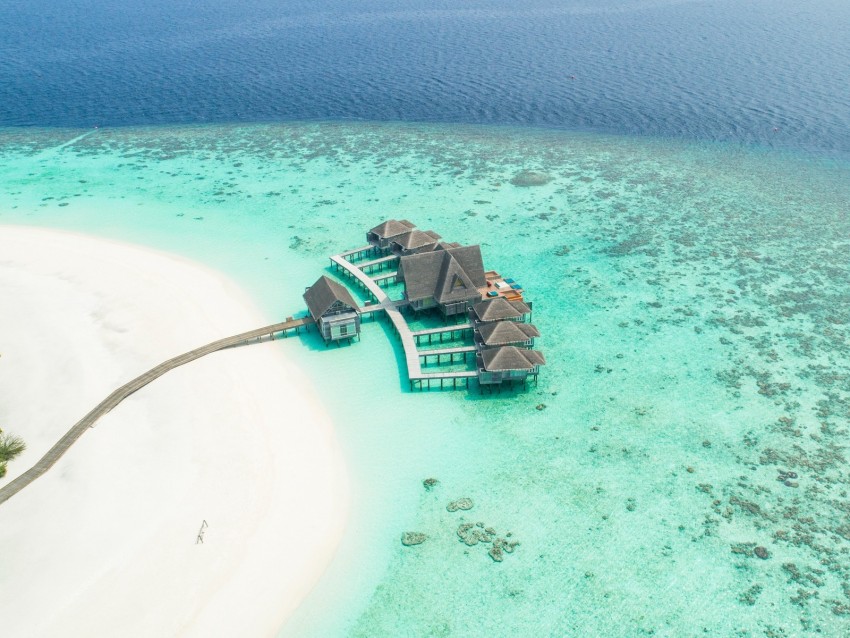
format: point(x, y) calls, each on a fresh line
point(105, 543)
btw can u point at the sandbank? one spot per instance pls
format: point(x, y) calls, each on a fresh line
point(104, 544)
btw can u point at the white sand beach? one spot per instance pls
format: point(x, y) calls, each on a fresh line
point(104, 544)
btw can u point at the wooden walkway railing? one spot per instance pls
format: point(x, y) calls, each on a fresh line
point(461, 329)
point(71, 436)
point(449, 352)
point(380, 261)
point(359, 252)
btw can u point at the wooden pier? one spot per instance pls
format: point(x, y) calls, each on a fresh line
point(357, 253)
point(389, 277)
point(423, 381)
point(461, 330)
point(462, 352)
point(379, 263)
point(55, 453)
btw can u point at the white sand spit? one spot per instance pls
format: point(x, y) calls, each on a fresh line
point(104, 544)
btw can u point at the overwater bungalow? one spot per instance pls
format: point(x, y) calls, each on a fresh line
point(437, 275)
point(508, 363)
point(448, 279)
point(414, 242)
point(504, 333)
point(382, 234)
point(500, 309)
point(333, 309)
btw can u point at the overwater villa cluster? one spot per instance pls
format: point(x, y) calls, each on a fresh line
point(442, 278)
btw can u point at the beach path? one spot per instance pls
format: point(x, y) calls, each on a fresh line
point(64, 444)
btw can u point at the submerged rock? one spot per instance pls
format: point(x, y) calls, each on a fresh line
point(460, 504)
point(413, 538)
point(761, 552)
point(502, 546)
point(744, 549)
point(750, 596)
point(472, 534)
point(530, 178)
point(430, 483)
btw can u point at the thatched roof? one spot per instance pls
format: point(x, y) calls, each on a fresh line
point(324, 293)
point(511, 358)
point(499, 308)
point(521, 307)
point(502, 333)
point(447, 275)
point(393, 228)
point(454, 284)
point(416, 239)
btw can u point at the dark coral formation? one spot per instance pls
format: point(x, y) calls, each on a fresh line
point(750, 596)
point(413, 538)
point(744, 549)
point(473, 533)
point(501, 546)
point(531, 178)
point(460, 504)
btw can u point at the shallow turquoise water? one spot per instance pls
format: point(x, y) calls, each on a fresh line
point(693, 301)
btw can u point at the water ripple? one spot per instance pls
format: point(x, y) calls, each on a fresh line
point(766, 72)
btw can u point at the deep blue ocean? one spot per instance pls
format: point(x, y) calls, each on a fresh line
point(767, 72)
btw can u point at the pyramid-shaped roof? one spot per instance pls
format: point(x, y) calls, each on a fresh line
point(502, 333)
point(416, 239)
point(453, 273)
point(511, 358)
point(521, 307)
point(393, 228)
point(500, 308)
point(324, 293)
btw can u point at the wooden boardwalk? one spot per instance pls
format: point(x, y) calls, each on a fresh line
point(365, 280)
point(462, 352)
point(430, 333)
point(386, 277)
point(358, 252)
point(424, 380)
point(380, 262)
point(440, 351)
point(55, 453)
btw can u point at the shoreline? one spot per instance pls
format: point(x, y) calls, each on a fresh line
point(104, 542)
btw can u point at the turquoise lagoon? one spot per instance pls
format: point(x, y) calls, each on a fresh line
point(693, 300)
